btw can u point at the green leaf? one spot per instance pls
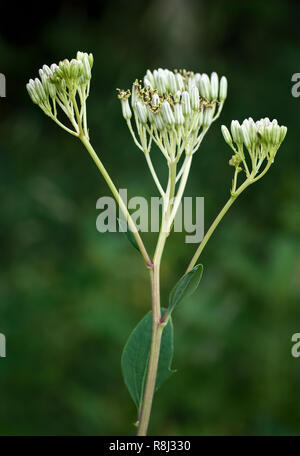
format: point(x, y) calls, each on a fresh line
point(124, 228)
point(135, 356)
point(185, 286)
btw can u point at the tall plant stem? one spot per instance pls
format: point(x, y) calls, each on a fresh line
point(157, 324)
point(216, 222)
point(157, 329)
point(118, 198)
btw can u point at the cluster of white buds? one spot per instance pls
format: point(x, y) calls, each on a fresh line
point(174, 109)
point(64, 85)
point(261, 139)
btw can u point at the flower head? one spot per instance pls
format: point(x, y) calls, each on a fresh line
point(63, 85)
point(174, 109)
point(261, 139)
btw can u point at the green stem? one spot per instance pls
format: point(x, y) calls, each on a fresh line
point(216, 222)
point(157, 329)
point(157, 324)
point(180, 192)
point(77, 114)
point(118, 198)
point(74, 133)
point(153, 173)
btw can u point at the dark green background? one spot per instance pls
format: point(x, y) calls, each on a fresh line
point(70, 296)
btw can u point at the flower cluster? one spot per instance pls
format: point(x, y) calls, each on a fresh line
point(261, 139)
point(175, 108)
point(63, 85)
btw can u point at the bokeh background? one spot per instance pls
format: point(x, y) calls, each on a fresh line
point(69, 296)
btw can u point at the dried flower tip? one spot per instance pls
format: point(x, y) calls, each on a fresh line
point(123, 94)
point(155, 101)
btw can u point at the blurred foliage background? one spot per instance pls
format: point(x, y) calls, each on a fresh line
point(69, 296)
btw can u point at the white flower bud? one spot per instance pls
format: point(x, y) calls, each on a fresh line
point(76, 69)
point(195, 100)
point(31, 90)
point(191, 84)
point(207, 117)
point(141, 111)
point(197, 79)
point(65, 69)
point(186, 103)
point(86, 68)
point(147, 83)
point(52, 90)
point(205, 87)
point(43, 75)
point(178, 114)
point(179, 81)
point(158, 120)
point(268, 134)
point(44, 79)
point(161, 83)
point(214, 81)
point(150, 78)
point(172, 82)
point(167, 113)
point(177, 96)
point(276, 134)
point(39, 89)
point(223, 88)
point(87, 61)
point(126, 111)
point(236, 132)
point(91, 60)
point(134, 96)
point(226, 134)
point(53, 68)
point(246, 138)
point(252, 131)
point(283, 131)
point(155, 74)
